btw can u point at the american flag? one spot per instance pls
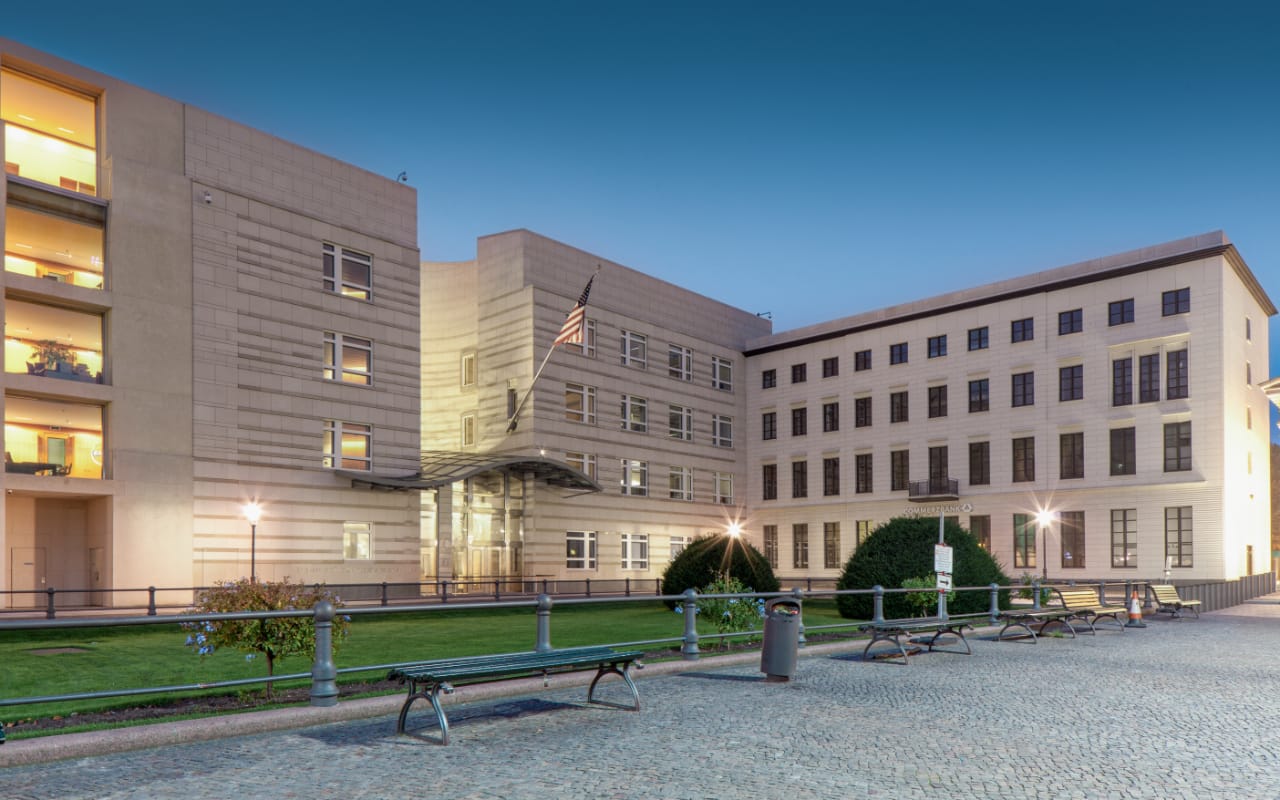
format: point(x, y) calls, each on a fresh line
point(571, 331)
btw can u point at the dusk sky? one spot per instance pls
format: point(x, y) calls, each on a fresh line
point(811, 160)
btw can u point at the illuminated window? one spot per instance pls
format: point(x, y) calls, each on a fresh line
point(635, 477)
point(580, 550)
point(348, 358)
point(635, 551)
point(49, 438)
point(347, 272)
point(53, 248)
point(348, 445)
point(357, 541)
point(723, 488)
point(635, 414)
point(50, 133)
point(52, 342)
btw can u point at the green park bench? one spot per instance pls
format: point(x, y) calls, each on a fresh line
point(892, 630)
point(1024, 618)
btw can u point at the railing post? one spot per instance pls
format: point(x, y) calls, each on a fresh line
point(877, 603)
point(49, 612)
point(1035, 593)
point(627, 587)
point(994, 611)
point(151, 601)
point(798, 594)
point(1102, 594)
point(689, 650)
point(544, 585)
point(588, 587)
point(444, 591)
point(497, 589)
point(324, 674)
point(543, 643)
point(384, 594)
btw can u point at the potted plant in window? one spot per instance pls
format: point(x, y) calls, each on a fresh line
point(54, 354)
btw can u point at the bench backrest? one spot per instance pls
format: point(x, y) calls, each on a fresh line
point(1079, 598)
point(1165, 593)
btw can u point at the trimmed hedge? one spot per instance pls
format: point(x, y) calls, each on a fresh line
point(902, 548)
point(704, 559)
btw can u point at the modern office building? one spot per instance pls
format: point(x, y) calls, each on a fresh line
point(197, 315)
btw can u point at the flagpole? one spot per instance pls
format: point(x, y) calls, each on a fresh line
point(515, 415)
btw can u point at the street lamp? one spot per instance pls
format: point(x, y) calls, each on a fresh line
point(253, 513)
point(1044, 519)
point(734, 530)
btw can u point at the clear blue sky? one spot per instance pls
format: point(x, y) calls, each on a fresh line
point(812, 160)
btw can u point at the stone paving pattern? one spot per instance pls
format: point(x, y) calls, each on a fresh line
point(1183, 710)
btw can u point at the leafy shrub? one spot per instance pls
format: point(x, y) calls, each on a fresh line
point(730, 615)
point(923, 602)
point(709, 558)
point(902, 549)
point(1027, 593)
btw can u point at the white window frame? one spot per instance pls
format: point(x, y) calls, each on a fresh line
point(635, 477)
point(588, 345)
point(635, 350)
point(678, 544)
point(468, 367)
point(721, 430)
point(635, 551)
point(723, 483)
point(635, 414)
point(582, 462)
point(721, 374)
point(468, 431)
point(335, 344)
point(587, 395)
point(338, 431)
point(680, 423)
point(334, 276)
point(679, 362)
point(357, 541)
point(680, 483)
point(588, 559)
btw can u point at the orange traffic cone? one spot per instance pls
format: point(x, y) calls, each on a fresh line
point(1135, 613)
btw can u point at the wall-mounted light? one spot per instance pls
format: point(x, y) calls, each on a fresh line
point(208, 197)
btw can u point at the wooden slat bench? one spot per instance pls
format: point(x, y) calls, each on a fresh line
point(1024, 618)
point(892, 630)
point(1168, 601)
point(1084, 605)
point(429, 678)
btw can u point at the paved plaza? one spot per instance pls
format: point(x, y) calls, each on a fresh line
point(1181, 709)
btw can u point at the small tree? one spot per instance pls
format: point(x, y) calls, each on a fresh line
point(730, 614)
point(711, 557)
point(273, 638)
point(921, 602)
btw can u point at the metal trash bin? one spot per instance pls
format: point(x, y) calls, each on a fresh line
point(781, 639)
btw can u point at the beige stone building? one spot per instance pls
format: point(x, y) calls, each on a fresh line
point(197, 315)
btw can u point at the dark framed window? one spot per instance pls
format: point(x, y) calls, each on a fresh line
point(769, 425)
point(1024, 459)
point(861, 360)
point(978, 338)
point(979, 463)
point(799, 421)
point(1022, 330)
point(799, 478)
point(1122, 382)
point(898, 353)
point(799, 373)
point(1071, 383)
point(979, 395)
point(1177, 301)
point(1177, 380)
point(800, 545)
point(768, 379)
point(1071, 535)
point(1177, 446)
point(862, 412)
point(830, 367)
point(1070, 321)
point(1024, 541)
point(831, 545)
point(1124, 538)
point(898, 407)
point(771, 544)
point(862, 473)
point(899, 470)
point(1177, 536)
point(830, 417)
point(937, 346)
point(1071, 455)
point(830, 477)
point(980, 529)
point(937, 401)
point(1149, 378)
point(1120, 312)
point(1124, 446)
point(1024, 389)
point(769, 481)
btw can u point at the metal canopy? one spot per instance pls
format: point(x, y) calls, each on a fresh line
point(444, 467)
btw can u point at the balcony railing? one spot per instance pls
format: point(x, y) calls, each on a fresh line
point(933, 490)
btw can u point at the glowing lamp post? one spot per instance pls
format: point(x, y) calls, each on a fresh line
point(734, 530)
point(253, 513)
point(1044, 519)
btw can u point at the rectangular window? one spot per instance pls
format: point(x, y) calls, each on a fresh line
point(862, 412)
point(861, 360)
point(830, 367)
point(980, 528)
point(580, 403)
point(771, 545)
point(862, 473)
point(769, 425)
point(1022, 330)
point(1149, 378)
point(36, 244)
point(978, 338)
point(831, 545)
point(768, 378)
point(721, 374)
point(862, 528)
point(1122, 382)
point(830, 477)
point(635, 478)
point(348, 445)
point(1024, 541)
point(898, 353)
point(680, 483)
point(898, 407)
point(799, 373)
point(769, 482)
point(1177, 446)
point(468, 430)
point(679, 362)
point(1071, 455)
point(937, 401)
point(979, 395)
point(1070, 321)
point(979, 463)
point(680, 423)
point(580, 550)
point(1071, 534)
point(799, 478)
point(1177, 301)
point(1124, 446)
point(1177, 380)
point(635, 414)
point(582, 462)
point(1177, 536)
point(1071, 383)
point(721, 431)
point(357, 541)
point(635, 551)
point(830, 417)
point(799, 421)
point(50, 133)
point(1024, 389)
point(587, 346)
point(635, 350)
point(1120, 312)
point(1248, 329)
point(678, 544)
point(1024, 459)
point(723, 484)
point(899, 470)
point(800, 545)
point(350, 359)
point(354, 278)
point(937, 346)
point(1124, 538)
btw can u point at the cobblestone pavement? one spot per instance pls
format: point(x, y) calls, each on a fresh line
point(1184, 709)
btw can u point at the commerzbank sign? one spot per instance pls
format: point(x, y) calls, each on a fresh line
point(930, 511)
